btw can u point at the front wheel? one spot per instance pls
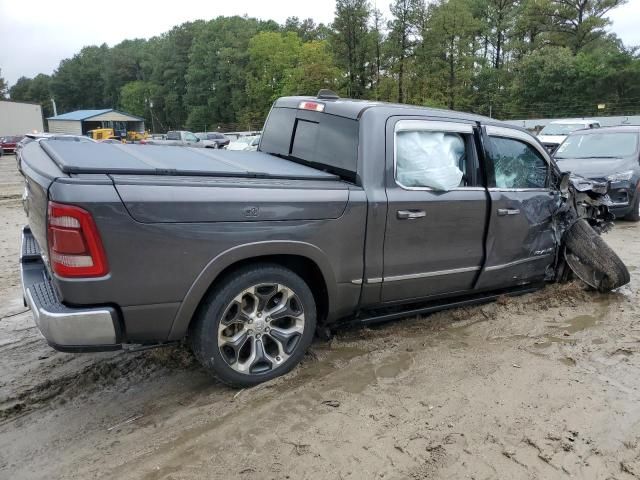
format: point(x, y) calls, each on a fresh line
point(255, 326)
point(634, 214)
point(592, 260)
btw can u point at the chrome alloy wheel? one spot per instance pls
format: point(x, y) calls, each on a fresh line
point(261, 328)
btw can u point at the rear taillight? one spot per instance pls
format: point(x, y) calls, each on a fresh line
point(75, 248)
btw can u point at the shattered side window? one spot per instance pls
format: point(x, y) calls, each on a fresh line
point(517, 165)
point(430, 159)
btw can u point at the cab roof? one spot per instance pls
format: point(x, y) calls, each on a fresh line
point(354, 109)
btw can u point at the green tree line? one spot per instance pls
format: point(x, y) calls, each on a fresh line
point(504, 58)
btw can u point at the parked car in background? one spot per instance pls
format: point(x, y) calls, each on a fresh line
point(180, 138)
point(245, 143)
point(236, 135)
point(555, 132)
point(219, 139)
point(607, 154)
point(254, 144)
point(9, 143)
point(351, 211)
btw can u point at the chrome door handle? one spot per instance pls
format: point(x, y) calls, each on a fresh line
point(508, 211)
point(411, 214)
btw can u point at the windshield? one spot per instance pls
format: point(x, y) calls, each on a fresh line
point(561, 128)
point(598, 145)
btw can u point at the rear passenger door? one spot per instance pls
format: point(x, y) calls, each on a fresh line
point(436, 209)
point(520, 242)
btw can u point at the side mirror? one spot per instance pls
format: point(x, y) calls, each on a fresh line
point(565, 179)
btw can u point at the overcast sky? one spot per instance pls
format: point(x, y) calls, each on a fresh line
point(36, 34)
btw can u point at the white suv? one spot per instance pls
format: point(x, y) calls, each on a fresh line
point(556, 131)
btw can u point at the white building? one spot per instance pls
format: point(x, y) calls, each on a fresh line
point(18, 118)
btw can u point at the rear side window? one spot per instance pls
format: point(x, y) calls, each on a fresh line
point(433, 155)
point(173, 136)
point(322, 140)
point(516, 164)
point(430, 159)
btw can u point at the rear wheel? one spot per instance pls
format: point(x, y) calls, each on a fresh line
point(254, 326)
point(592, 260)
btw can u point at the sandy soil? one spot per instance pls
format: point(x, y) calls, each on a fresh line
point(541, 386)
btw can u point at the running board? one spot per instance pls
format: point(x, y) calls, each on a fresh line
point(375, 317)
point(139, 348)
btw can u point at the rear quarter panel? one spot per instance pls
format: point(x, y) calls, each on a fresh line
point(155, 266)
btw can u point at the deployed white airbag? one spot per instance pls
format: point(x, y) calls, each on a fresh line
point(429, 159)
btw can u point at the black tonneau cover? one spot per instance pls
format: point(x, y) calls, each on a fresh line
point(109, 158)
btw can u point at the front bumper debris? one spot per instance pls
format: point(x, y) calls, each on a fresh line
point(65, 328)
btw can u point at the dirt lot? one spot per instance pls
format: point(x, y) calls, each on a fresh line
point(542, 386)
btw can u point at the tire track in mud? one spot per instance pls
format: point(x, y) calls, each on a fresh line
point(120, 370)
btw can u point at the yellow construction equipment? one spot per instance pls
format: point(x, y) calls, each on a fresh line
point(109, 134)
point(137, 136)
point(102, 134)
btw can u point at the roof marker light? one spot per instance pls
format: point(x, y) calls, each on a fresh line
point(315, 106)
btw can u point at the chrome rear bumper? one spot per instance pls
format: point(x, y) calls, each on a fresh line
point(65, 328)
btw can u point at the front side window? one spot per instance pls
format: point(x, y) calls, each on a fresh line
point(190, 137)
point(430, 159)
point(517, 164)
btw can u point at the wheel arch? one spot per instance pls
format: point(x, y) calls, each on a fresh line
point(306, 260)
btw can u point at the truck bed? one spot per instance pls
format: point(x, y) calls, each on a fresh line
point(104, 158)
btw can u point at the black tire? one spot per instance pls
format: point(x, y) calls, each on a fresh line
point(634, 214)
point(592, 260)
point(206, 327)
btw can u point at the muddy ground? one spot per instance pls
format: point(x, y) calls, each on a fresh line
point(541, 386)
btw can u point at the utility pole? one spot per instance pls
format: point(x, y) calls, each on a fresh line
point(153, 127)
point(55, 110)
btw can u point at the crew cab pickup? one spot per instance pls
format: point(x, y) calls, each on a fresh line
point(181, 138)
point(350, 211)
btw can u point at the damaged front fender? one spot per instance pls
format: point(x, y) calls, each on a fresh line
point(583, 214)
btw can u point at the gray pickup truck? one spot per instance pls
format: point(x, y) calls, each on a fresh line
point(351, 211)
point(182, 138)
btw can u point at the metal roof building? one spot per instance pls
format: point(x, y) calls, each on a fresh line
point(81, 121)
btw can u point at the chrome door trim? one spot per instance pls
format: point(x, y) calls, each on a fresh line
point(537, 189)
point(438, 273)
point(493, 268)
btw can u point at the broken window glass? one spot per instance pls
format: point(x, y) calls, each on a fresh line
point(517, 165)
point(430, 159)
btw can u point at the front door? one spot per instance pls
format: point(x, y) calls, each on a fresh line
point(521, 244)
point(437, 210)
